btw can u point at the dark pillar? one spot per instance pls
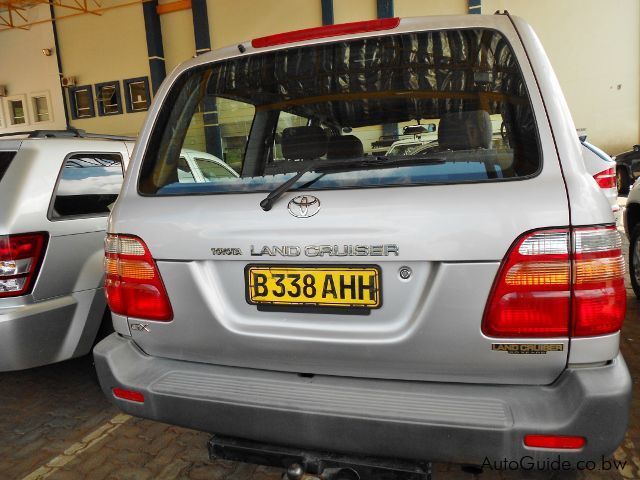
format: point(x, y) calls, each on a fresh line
point(212, 131)
point(474, 6)
point(327, 12)
point(154, 43)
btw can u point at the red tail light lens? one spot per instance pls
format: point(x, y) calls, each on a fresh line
point(326, 31)
point(556, 442)
point(133, 285)
point(548, 271)
point(20, 259)
point(606, 178)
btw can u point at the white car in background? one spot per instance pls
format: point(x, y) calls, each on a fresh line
point(603, 169)
point(201, 167)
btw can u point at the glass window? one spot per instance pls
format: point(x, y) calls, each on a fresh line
point(82, 102)
point(453, 104)
point(5, 161)
point(41, 108)
point(108, 95)
point(137, 96)
point(185, 175)
point(16, 112)
point(211, 169)
point(88, 185)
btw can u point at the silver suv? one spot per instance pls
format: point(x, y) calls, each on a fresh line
point(56, 188)
point(458, 304)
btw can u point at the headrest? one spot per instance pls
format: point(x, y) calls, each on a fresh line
point(345, 146)
point(303, 143)
point(465, 130)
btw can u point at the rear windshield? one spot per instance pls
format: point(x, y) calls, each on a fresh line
point(422, 108)
point(5, 161)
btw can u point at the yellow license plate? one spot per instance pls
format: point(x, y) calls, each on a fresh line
point(317, 286)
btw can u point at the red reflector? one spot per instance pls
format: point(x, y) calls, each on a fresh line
point(128, 395)
point(606, 178)
point(557, 442)
point(326, 31)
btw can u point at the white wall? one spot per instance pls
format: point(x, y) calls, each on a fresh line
point(594, 48)
point(25, 71)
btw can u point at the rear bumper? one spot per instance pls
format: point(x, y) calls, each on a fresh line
point(409, 420)
point(33, 334)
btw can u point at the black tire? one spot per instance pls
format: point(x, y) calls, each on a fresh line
point(622, 181)
point(634, 260)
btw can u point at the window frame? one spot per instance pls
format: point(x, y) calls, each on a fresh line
point(99, 101)
point(52, 200)
point(127, 93)
point(34, 112)
point(74, 106)
point(7, 104)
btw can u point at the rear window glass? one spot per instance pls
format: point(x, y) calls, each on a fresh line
point(5, 161)
point(423, 108)
point(88, 185)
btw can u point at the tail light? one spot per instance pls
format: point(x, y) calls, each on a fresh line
point(20, 259)
point(326, 31)
point(559, 282)
point(606, 178)
point(133, 285)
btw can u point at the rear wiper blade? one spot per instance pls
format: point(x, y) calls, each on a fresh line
point(337, 166)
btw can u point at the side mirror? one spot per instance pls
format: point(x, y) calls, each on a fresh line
point(636, 148)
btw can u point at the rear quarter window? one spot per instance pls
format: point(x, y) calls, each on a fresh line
point(5, 161)
point(457, 99)
point(88, 185)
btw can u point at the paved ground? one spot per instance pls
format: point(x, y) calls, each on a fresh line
point(56, 424)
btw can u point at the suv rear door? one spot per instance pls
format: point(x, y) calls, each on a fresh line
point(449, 227)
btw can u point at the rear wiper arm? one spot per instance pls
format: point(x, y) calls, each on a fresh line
point(267, 203)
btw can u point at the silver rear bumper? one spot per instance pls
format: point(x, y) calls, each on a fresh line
point(409, 420)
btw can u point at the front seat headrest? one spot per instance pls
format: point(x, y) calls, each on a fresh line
point(344, 146)
point(304, 143)
point(465, 130)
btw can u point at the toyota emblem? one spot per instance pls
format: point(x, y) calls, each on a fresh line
point(304, 206)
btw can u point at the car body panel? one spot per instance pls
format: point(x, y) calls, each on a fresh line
point(72, 267)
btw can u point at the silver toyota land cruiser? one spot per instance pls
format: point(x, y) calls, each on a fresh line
point(56, 188)
point(458, 303)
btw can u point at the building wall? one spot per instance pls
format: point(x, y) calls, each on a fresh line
point(103, 48)
point(25, 71)
point(233, 21)
point(601, 85)
point(594, 48)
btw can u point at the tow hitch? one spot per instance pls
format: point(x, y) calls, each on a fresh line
point(307, 465)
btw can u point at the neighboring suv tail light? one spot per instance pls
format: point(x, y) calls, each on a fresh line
point(606, 178)
point(20, 259)
point(133, 285)
point(542, 280)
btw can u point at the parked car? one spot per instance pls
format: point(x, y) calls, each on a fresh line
point(200, 167)
point(456, 306)
point(56, 188)
point(603, 169)
point(631, 222)
point(627, 168)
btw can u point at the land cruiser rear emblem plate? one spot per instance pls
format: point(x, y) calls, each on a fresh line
point(304, 206)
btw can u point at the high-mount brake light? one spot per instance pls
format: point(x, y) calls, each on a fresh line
point(326, 31)
point(606, 178)
point(20, 259)
point(551, 272)
point(133, 285)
